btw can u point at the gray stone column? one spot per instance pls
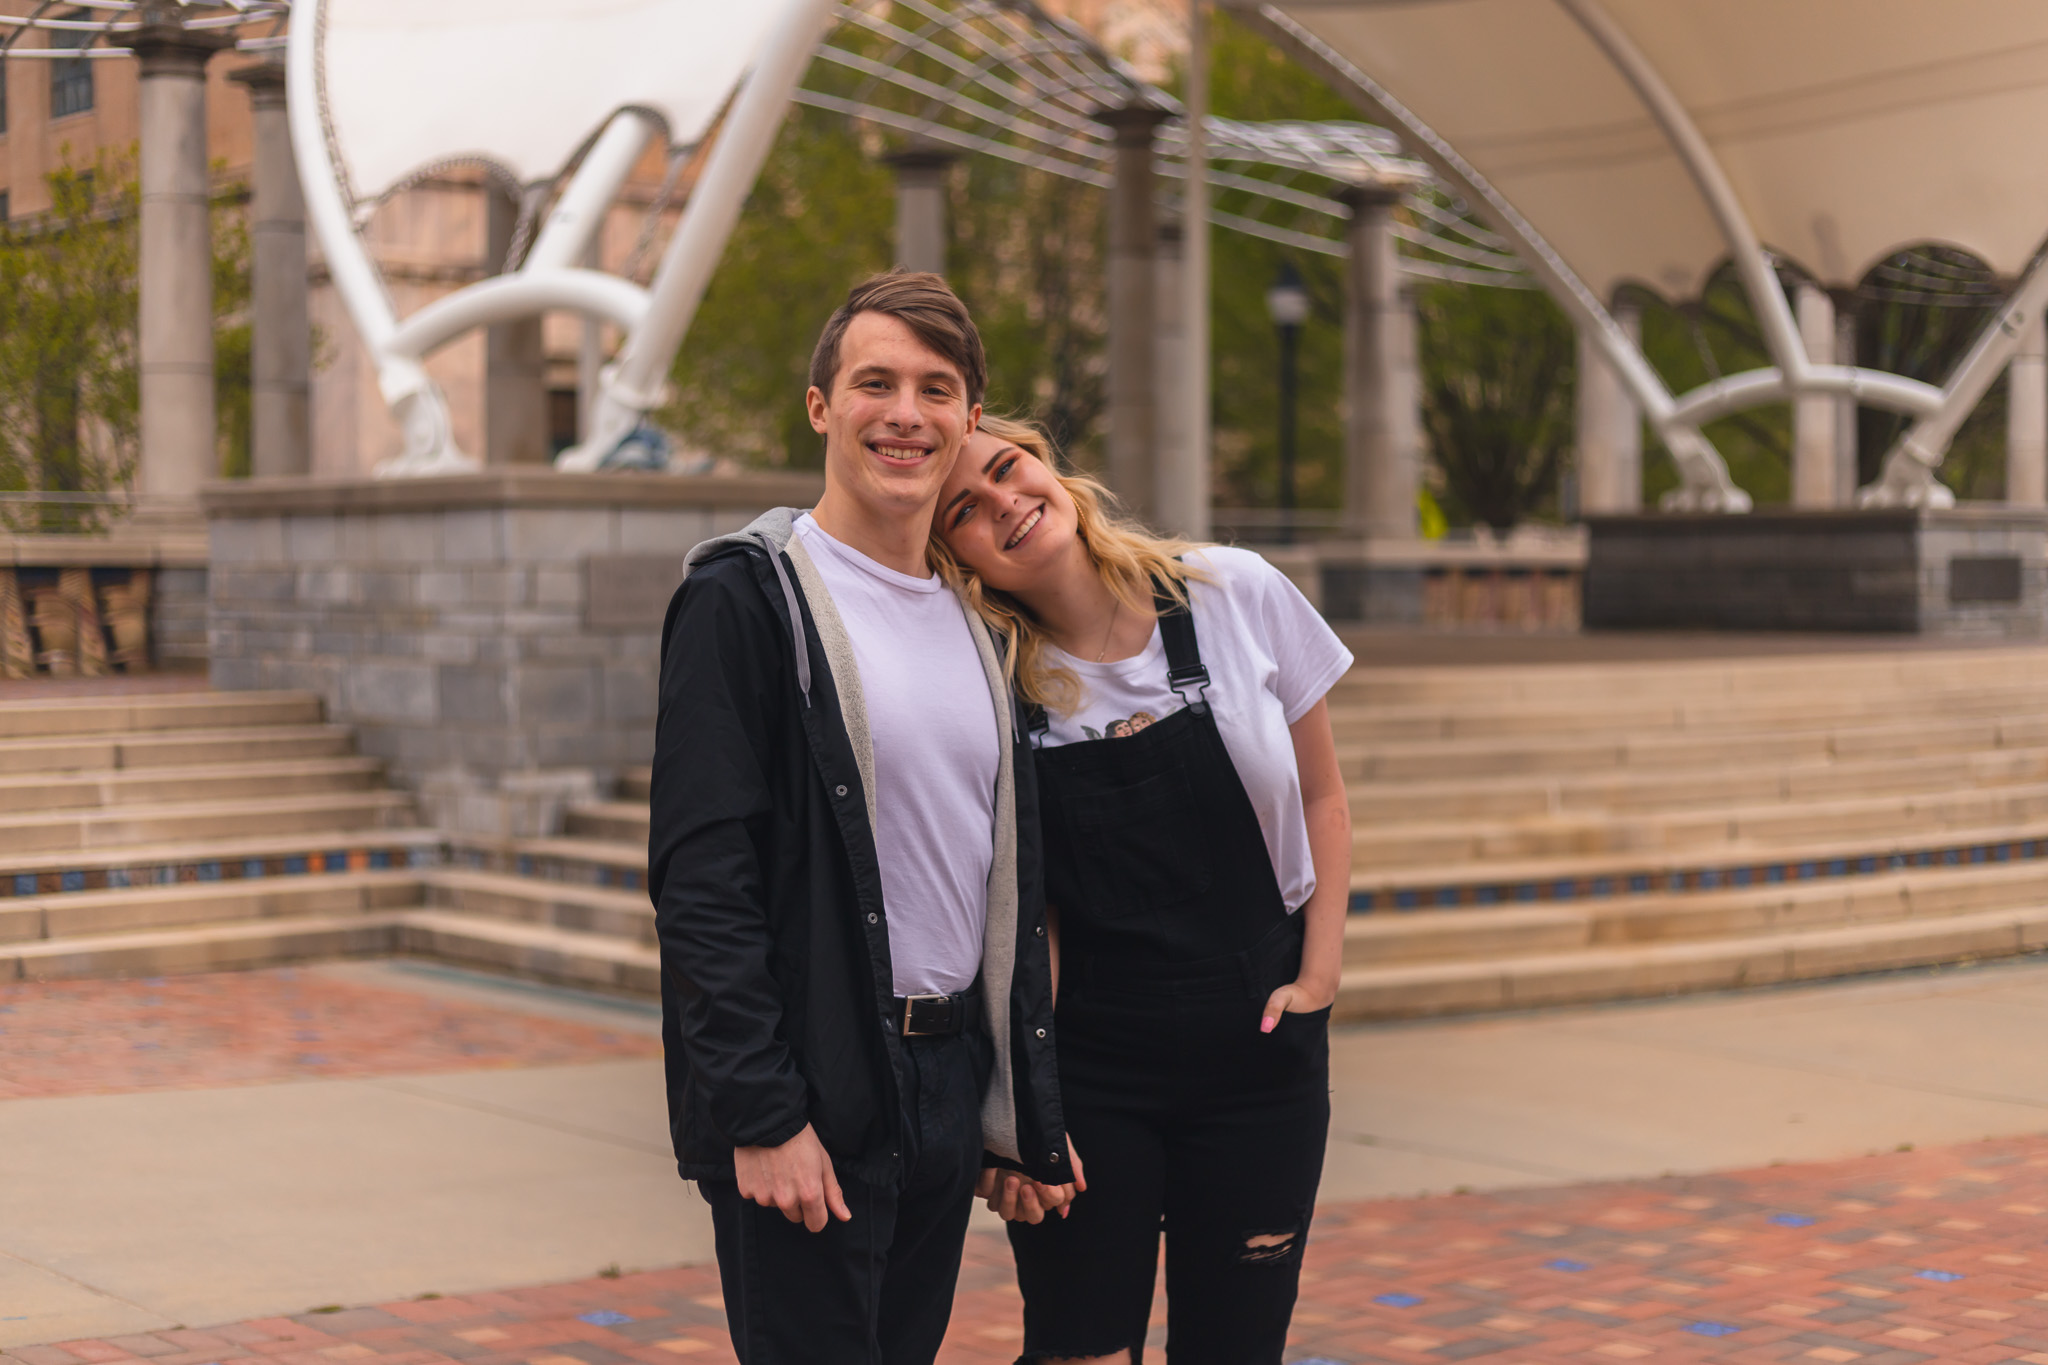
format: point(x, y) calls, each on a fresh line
point(1846, 474)
point(515, 361)
point(1610, 428)
point(2026, 418)
point(1382, 383)
point(174, 323)
point(921, 206)
point(1133, 312)
point(280, 352)
point(1813, 415)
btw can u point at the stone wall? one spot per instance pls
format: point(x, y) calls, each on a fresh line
point(1972, 571)
point(494, 637)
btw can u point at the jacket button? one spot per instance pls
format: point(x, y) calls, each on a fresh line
point(1040, 931)
point(1054, 1156)
point(839, 791)
point(873, 917)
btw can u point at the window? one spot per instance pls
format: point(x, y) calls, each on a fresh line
point(70, 80)
point(3, 206)
point(3, 95)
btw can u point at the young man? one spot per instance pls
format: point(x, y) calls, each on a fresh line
point(856, 991)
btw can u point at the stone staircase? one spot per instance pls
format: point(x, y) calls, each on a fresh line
point(1526, 835)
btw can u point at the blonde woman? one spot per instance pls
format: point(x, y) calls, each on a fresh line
point(1197, 856)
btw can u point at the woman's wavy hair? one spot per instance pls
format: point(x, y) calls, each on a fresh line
point(1129, 558)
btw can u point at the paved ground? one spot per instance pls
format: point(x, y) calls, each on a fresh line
point(155, 1209)
point(1887, 1260)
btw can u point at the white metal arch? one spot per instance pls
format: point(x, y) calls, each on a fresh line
point(1908, 477)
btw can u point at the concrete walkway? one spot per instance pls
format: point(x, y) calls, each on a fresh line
point(135, 1212)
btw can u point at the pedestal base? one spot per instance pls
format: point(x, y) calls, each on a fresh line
point(494, 637)
point(1967, 571)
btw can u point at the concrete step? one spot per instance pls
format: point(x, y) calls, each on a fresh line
point(1477, 933)
point(1449, 759)
point(1612, 973)
point(621, 822)
point(541, 952)
point(202, 948)
point(578, 861)
point(28, 919)
point(1876, 671)
point(328, 850)
point(173, 749)
point(74, 716)
point(1736, 784)
point(626, 915)
point(635, 784)
point(1779, 826)
point(214, 782)
point(116, 826)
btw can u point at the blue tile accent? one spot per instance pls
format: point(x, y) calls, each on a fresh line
point(1710, 877)
point(604, 1317)
point(1526, 891)
point(1404, 900)
point(1562, 891)
point(1603, 886)
point(1775, 872)
point(336, 860)
point(24, 883)
point(1807, 871)
point(209, 872)
point(1638, 885)
point(1398, 1300)
point(1569, 1266)
point(380, 858)
point(1838, 868)
point(72, 881)
point(1674, 881)
point(117, 877)
point(1866, 866)
point(1794, 1220)
point(1979, 854)
point(252, 868)
point(1951, 856)
point(1740, 876)
point(1938, 1276)
point(1447, 895)
point(295, 867)
point(1712, 1329)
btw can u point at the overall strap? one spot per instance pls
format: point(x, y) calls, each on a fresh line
point(1184, 668)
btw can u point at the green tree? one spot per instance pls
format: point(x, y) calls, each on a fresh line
point(68, 392)
point(1497, 386)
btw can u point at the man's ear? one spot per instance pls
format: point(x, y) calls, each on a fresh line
point(814, 404)
point(973, 420)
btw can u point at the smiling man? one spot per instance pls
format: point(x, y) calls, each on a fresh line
point(856, 991)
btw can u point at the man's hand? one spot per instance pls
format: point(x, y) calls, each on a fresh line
point(1017, 1198)
point(795, 1177)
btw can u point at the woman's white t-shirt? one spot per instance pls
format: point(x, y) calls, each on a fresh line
point(1270, 657)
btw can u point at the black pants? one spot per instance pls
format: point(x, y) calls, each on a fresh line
point(1184, 1116)
point(877, 1290)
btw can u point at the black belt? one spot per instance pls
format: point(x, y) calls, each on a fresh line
point(921, 1016)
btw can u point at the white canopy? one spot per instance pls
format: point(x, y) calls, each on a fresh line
point(520, 84)
point(1848, 129)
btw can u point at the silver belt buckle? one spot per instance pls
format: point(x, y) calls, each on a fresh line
point(909, 1001)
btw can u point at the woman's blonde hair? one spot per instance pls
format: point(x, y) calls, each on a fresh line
point(1129, 558)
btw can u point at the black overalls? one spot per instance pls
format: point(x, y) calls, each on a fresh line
point(1172, 936)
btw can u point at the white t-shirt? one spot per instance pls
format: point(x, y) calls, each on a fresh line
point(937, 759)
point(1270, 657)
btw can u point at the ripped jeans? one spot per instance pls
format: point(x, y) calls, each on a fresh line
point(1189, 1121)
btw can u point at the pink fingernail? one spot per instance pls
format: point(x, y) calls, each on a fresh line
point(1266, 1025)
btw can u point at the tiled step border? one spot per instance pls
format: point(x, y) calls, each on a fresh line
point(354, 856)
point(553, 867)
point(1717, 876)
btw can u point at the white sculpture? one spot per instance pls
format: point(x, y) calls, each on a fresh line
point(382, 91)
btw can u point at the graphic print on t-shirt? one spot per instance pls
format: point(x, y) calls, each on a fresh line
point(1123, 728)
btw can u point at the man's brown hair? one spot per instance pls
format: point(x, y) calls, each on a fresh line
point(925, 304)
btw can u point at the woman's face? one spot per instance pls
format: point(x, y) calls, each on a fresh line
point(1003, 514)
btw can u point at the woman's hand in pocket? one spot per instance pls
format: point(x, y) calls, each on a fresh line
point(1300, 996)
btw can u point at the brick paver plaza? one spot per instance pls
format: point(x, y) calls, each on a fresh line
point(1907, 1256)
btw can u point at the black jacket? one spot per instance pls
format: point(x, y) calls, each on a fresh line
point(776, 982)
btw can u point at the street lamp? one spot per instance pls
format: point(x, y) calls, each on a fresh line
point(1288, 303)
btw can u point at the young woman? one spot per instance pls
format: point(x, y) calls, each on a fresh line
point(1197, 855)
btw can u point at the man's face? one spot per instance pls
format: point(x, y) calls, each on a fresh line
point(894, 420)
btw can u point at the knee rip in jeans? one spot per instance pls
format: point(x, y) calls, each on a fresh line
point(1273, 1248)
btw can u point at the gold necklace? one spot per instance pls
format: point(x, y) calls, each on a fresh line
point(1110, 630)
